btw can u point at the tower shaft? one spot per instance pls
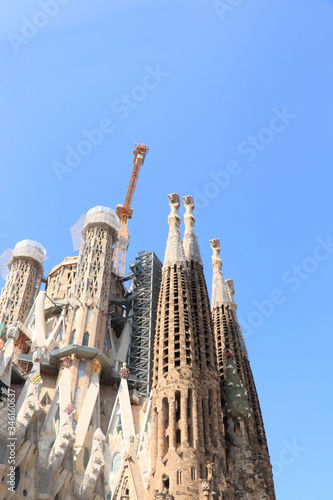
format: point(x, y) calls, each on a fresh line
point(186, 413)
point(87, 320)
point(23, 282)
point(246, 443)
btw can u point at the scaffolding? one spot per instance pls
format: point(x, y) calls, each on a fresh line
point(147, 273)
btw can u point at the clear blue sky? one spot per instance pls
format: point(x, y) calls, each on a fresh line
point(240, 96)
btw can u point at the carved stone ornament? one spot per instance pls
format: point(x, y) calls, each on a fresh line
point(12, 332)
point(210, 470)
point(159, 496)
point(169, 497)
point(205, 486)
point(174, 203)
point(249, 484)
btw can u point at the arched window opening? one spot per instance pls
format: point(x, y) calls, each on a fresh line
point(190, 416)
point(210, 396)
point(179, 477)
point(178, 437)
point(177, 399)
point(76, 316)
point(116, 463)
point(204, 423)
point(89, 315)
point(106, 346)
point(165, 417)
point(86, 339)
point(166, 483)
point(82, 367)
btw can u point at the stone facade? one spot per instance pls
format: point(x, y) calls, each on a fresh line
point(82, 430)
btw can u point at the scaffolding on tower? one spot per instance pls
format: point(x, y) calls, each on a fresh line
point(125, 212)
point(147, 275)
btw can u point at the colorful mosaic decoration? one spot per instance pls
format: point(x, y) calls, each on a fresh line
point(2, 344)
point(66, 362)
point(124, 372)
point(37, 379)
point(70, 408)
point(97, 366)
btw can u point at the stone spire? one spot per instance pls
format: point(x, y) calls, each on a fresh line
point(186, 426)
point(220, 293)
point(174, 253)
point(213, 432)
point(246, 442)
point(191, 245)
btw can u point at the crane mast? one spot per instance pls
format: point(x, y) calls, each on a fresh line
point(125, 211)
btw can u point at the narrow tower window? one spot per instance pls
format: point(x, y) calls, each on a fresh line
point(178, 437)
point(89, 315)
point(86, 339)
point(165, 419)
point(190, 416)
point(177, 398)
point(179, 477)
point(82, 367)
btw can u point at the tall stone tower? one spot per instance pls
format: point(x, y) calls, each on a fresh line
point(187, 430)
point(23, 282)
point(247, 453)
point(212, 412)
point(87, 321)
point(89, 427)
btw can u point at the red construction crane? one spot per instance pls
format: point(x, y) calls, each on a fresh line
point(125, 211)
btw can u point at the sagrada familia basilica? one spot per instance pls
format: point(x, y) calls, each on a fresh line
point(138, 393)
